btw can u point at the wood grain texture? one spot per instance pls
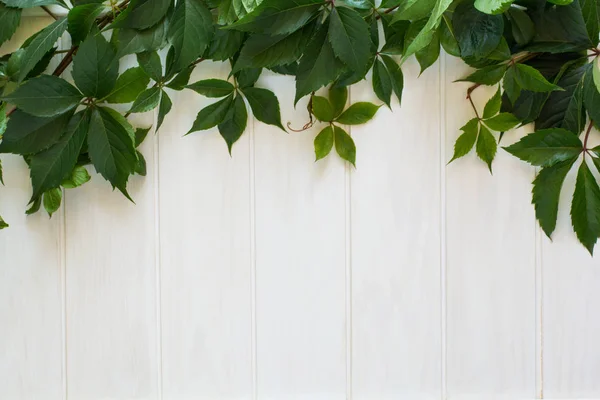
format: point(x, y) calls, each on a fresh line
point(300, 260)
point(490, 240)
point(395, 211)
point(31, 276)
point(205, 255)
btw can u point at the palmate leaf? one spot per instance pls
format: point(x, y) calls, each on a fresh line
point(492, 107)
point(486, 146)
point(344, 145)
point(349, 38)
point(81, 19)
point(212, 115)
point(190, 32)
point(477, 33)
point(466, 140)
point(382, 82)
point(95, 67)
point(323, 143)
point(143, 14)
point(40, 45)
point(502, 122)
point(150, 63)
point(423, 38)
point(493, 6)
point(163, 108)
point(9, 22)
point(585, 208)
point(147, 100)
point(128, 86)
point(338, 96)
point(322, 109)
point(358, 114)
point(234, 123)
point(212, 87)
point(264, 105)
point(396, 76)
point(547, 147)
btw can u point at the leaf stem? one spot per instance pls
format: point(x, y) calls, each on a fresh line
point(389, 10)
point(50, 13)
point(587, 135)
point(471, 99)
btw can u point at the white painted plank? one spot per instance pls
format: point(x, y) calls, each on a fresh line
point(112, 336)
point(396, 244)
point(490, 240)
point(300, 260)
point(205, 246)
point(31, 306)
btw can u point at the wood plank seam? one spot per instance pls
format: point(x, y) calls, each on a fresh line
point(253, 333)
point(443, 312)
point(157, 257)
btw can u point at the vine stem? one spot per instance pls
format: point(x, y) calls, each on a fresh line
point(50, 13)
point(587, 135)
point(471, 99)
point(389, 10)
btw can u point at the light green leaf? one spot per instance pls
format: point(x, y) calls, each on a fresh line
point(81, 19)
point(212, 88)
point(502, 122)
point(321, 108)
point(413, 10)
point(45, 96)
point(146, 101)
point(190, 32)
point(429, 54)
point(466, 140)
point(163, 108)
point(234, 123)
point(396, 76)
point(493, 6)
point(26, 134)
point(264, 105)
point(492, 107)
point(486, 146)
point(111, 147)
point(358, 113)
point(426, 34)
point(382, 82)
point(212, 115)
point(52, 200)
point(129, 85)
point(489, 75)
point(3, 224)
point(338, 96)
point(546, 193)
point(76, 178)
point(40, 45)
point(547, 147)
point(323, 143)
point(344, 145)
point(349, 37)
point(9, 22)
point(95, 67)
point(50, 167)
point(531, 79)
point(150, 63)
point(585, 208)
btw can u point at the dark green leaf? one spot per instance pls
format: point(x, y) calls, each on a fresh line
point(321, 108)
point(225, 44)
point(521, 25)
point(212, 87)
point(429, 54)
point(190, 32)
point(129, 85)
point(426, 34)
point(95, 67)
point(546, 192)
point(234, 123)
point(502, 122)
point(181, 79)
point(50, 167)
point(163, 108)
point(143, 14)
point(466, 140)
point(212, 115)
point(531, 79)
point(493, 6)
point(493, 105)
point(130, 41)
point(29, 3)
point(487, 75)
point(40, 45)
point(9, 22)
point(358, 113)
point(478, 34)
point(382, 82)
point(264, 105)
point(111, 147)
point(448, 40)
point(247, 77)
point(81, 19)
point(413, 10)
point(591, 97)
point(3, 224)
point(52, 200)
point(349, 38)
point(338, 96)
point(344, 145)
point(396, 76)
point(395, 35)
point(585, 208)
point(511, 86)
point(591, 15)
point(323, 143)
point(150, 63)
point(140, 167)
point(547, 147)
point(486, 146)
point(146, 101)
point(26, 134)
point(78, 176)
point(35, 206)
point(140, 135)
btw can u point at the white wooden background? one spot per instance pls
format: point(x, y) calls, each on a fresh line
point(268, 276)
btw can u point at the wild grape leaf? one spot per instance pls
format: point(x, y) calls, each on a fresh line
point(50, 167)
point(190, 32)
point(477, 33)
point(426, 34)
point(212, 115)
point(547, 147)
point(323, 143)
point(52, 201)
point(358, 113)
point(140, 135)
point(466, 140)
point(591, 96)
point(546, 193)
point(585, 208)
point(81, 19)
point(40, 45)
point(146, 101)
point(181, 79)
point(448, 40)
point(111, 147)
point(489, 75)
point(529, 78)
point(502, 122)
point(129, 85)
point(486, 146)
point(264, 105)
point(413, 10)
point(396, 76)
point(493, 6)
point(95, 67)
point(322, 109)
point(3, 224)
point(338, 96)
point(395, 35)
point(140, 167)
point(590, 10)
point(382, 82)
point(78, 176)
point(130, 41)
point(521, 25)
point(151, 65)
point(212, 87)
point(9, 22)
point(143, 14)
point(163, 108)
point(234, 123)
point(344, 145)
point(225, 44)
point(492, 107)
point(349, 38)
point(45, 96)
point(429, 54)
point(35, 206)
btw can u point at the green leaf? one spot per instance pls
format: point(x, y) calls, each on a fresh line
point(181, 79)
point(40, 45)
point(493, 6)
point(28, 3)
point(426, 34)
point(150, 63)
point(395, 35)
point(338, 96)
point(78, 176)
point(585, 208)
point(429, 54)
point(52, 200)
point(486, 146)
point(9, 22)
point(448, 40)
point(264, 105)
point(492, 107)
point(477, 33)
point(278, 17)
point(247, 77)
point(143, 14)
point(502, 122)
point(358, 113)
point(45, 96)
point(349, 37)
point(396, 76)
point(140, 167)
point(146, 101)
point(81, 19)
point(521, 25)
point(190, 32)
point(382, 82)
point(510, 85)
point(27, 134)
point(225, 44)
point(344, 145)
point(547, 147)
point(590, 10)
point(129, 85)
point(413, 10)
point(130, 41)
point(163, 108)
point(35, 206)
point(321, 108)
point(212, 88)
point(531, 79)
point(111, 147)
point(140, 135)
point(318, 66)
point(212, 115)
point(50, 167)
point(323, 143)
point(95, 67)
point(546, 193)
point(234, 123)
point(466, 140)
point(591, 96)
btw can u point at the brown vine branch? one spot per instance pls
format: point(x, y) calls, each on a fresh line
point(587, 135)
point(389, 10)
point(310, 122)
point(50, 13)
point(469, 91)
